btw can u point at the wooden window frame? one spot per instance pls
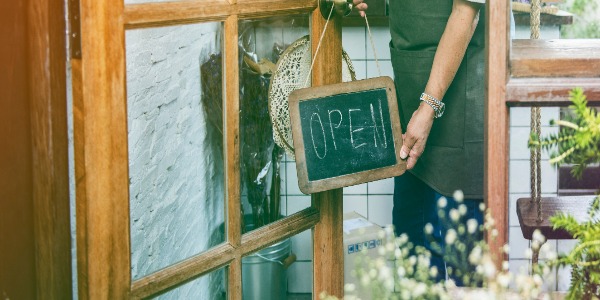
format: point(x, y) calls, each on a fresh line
point(101, 158)
point(531, 73)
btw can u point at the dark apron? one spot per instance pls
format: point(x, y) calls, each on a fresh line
point(453, 156)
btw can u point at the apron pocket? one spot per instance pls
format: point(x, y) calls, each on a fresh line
point(411, 72)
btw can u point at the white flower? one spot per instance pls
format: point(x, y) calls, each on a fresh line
point(494, 232)
point(381, 251)
point(428, 228)
point(442, 202)
point(349, 287)
point(506, 248)
point(450, 236)
point(472, 225)
point(489, 268)
point(412, 260)
point(538, 236)
point(433, 272)
point(503, 280)
point(454, 215)
point(462, 209)
point(381, 234)
point(528, 253)
point(475, 256)
point(402, 239)
point(401, 271)
point(482, 206)
point(372, 273)
point(419, 290)
point(397, 253)
point(459, 196)
point(505, 265)
point(365, 280)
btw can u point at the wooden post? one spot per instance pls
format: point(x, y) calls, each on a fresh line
point(328, 269)
point(100, 123)
point(496, 123)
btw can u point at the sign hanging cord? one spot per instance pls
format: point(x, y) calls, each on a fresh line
point(312, 64)
point(372, 45)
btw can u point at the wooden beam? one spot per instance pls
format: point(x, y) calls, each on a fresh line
point(183, 271)
point(279, 230)
point(328, 262)
point(231, 101)
point(496, 123)
point(48, 98)
point(555, 58)
point(183, 12)
point(103, 118)
point(550, 91)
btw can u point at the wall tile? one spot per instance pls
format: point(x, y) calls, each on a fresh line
point(518, 266)
point(518, 244)
point(358, 204)
point(519, 177)
point(297, 203)
point(519, 138)
point(521, 116)
point(302, 246)
point(353, 42)
point(360, 69)
point(292, 179)
point(381, 38)
point(380, 209)
point(565, 246)
point(385, 65)
point(382, 187)
point(563, 279)
point(359, 189)
point(300, 277)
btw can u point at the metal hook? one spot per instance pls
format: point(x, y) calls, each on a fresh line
point(341, 7)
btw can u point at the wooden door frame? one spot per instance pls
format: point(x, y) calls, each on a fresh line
point(48, 111)
point(101, 163)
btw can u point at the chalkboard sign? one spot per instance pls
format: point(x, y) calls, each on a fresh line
point(345, 134)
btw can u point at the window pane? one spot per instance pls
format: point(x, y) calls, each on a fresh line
point(174, 102)
point(261, 44)
point(212, 286)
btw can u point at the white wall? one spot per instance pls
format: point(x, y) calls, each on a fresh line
point(176, 172)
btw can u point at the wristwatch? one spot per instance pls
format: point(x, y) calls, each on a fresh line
point(437, 105)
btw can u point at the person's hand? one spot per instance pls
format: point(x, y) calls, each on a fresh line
point(360, 6)
point(417, 132)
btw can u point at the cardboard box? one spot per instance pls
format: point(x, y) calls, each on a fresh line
point(359, 234)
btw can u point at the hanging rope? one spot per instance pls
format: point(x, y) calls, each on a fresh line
point(372, 45)
point(536, 157)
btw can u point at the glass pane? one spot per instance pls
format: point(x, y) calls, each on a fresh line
point(281, 271)
point(212, 286)
point(261, 44)
point(174, 102)
point(570, 19)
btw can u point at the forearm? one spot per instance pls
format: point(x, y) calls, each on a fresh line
point(452, 47)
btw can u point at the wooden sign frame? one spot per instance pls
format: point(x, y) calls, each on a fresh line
point(307, 186)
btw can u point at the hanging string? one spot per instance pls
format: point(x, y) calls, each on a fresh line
point(312, 64)
point(372, 45)
point(535, 162)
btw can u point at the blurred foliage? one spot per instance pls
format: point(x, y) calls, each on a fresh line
point(586, 23)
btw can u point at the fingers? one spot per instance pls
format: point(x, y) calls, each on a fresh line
point(360, 6)
point(411, 150)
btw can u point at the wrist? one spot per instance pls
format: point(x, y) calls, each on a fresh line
point(427, 110)
point(436, 105)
